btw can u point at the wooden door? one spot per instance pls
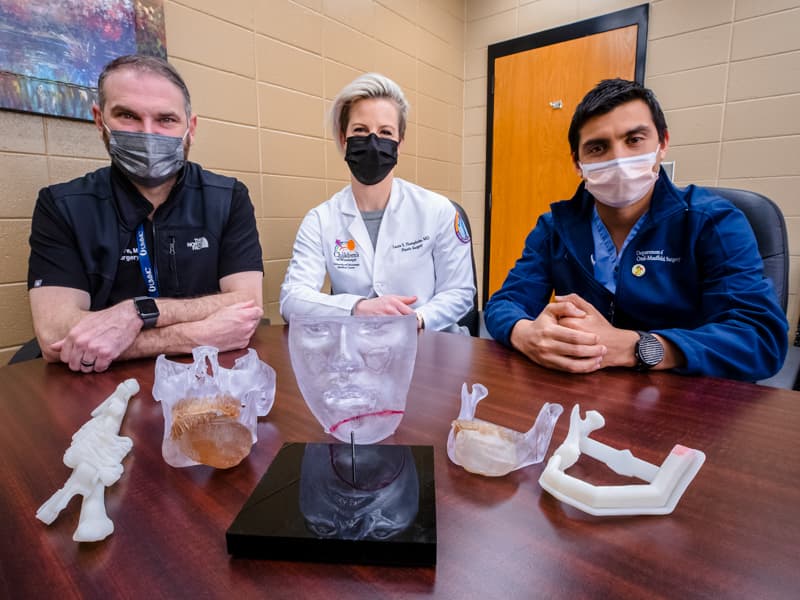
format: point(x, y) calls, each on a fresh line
point(535, 94)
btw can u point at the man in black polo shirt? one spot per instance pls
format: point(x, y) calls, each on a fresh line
point(152, 254)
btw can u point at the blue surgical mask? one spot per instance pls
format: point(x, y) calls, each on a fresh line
point(148, 159)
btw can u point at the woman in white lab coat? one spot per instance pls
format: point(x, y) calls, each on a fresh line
point(389, 247)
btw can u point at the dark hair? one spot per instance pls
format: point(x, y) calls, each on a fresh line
point(151, 64)
point(605, 97)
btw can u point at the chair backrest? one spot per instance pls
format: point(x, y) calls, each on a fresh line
point(28, 351)
point(472, 319)
point(766, 219)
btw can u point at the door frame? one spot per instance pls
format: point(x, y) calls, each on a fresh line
point(637, 15)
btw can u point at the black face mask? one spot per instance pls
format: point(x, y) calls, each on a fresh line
point(370, 157)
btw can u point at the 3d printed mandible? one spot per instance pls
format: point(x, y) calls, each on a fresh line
point(487, 448)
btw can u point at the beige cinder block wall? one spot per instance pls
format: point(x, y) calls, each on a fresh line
point(262, 75)
point(727, 73)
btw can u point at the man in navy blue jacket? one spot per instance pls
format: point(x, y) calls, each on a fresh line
point(645, 275)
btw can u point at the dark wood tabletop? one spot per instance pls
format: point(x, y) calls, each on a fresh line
point(734, 534)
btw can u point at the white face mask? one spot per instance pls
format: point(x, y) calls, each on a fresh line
point(622, 181)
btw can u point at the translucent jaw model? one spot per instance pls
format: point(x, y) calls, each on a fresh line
point(95, 456)
point(210, 413)
point(354, 372)
point(376, 499)
point(488, 449)
point(658, 497)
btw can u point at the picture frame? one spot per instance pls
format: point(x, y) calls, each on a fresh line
point(51, 53)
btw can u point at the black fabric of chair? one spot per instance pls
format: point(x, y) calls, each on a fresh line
point(28, 351)
point(766, 219)
point(472, 319)
point(769, 227)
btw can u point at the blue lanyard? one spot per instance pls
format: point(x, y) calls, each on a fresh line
point(148, 272)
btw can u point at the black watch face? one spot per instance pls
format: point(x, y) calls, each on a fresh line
point(650, 350)
point(146, 307)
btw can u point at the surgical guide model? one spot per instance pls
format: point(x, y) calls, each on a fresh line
point(95, 456)
point(659, 496)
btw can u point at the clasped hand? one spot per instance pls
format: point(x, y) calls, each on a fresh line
point(391, 305)
point(570, 334)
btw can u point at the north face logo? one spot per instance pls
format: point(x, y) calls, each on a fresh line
point(198, 243)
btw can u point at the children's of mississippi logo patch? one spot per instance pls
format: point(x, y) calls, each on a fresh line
point(344, 247)
point(345, 255)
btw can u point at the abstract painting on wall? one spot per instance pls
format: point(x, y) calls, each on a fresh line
point(51, 53)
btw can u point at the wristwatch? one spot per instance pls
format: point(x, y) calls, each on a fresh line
point(648, 351)
point(148, 311)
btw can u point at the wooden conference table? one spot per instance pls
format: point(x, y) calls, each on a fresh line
point(735, 532)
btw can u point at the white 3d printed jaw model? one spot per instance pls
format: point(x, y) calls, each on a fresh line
point(95, 456)
point(667, 483)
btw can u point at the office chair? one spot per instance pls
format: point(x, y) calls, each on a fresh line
point(28, 351)
point(766, 220)
point(769, 227)
point(472, 319)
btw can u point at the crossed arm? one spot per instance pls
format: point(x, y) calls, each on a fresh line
point(69, 332)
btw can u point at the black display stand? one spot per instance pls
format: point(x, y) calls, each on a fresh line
point(340, 503)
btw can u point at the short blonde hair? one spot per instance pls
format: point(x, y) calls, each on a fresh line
point(369, 85)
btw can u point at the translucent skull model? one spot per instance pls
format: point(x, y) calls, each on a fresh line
point(354, 372)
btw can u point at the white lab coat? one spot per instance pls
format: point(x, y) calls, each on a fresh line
point(419, 252)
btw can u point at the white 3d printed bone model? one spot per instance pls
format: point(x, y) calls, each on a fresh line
point(95, 456)
point(659, 496)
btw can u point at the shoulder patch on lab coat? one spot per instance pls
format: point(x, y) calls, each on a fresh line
point(462, 233)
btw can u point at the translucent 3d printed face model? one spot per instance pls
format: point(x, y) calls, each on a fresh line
point(375, 499)
point(354, 372)
point(489, 449)
point(658, 497)
point(95, 457)
point(210, 413)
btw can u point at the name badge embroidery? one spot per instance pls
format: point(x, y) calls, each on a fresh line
point(412, 245)
point(655, 255)
point(129, 255)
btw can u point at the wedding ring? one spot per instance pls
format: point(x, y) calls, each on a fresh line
point(87, 364)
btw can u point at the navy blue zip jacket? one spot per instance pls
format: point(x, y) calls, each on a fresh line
point(692, 274)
